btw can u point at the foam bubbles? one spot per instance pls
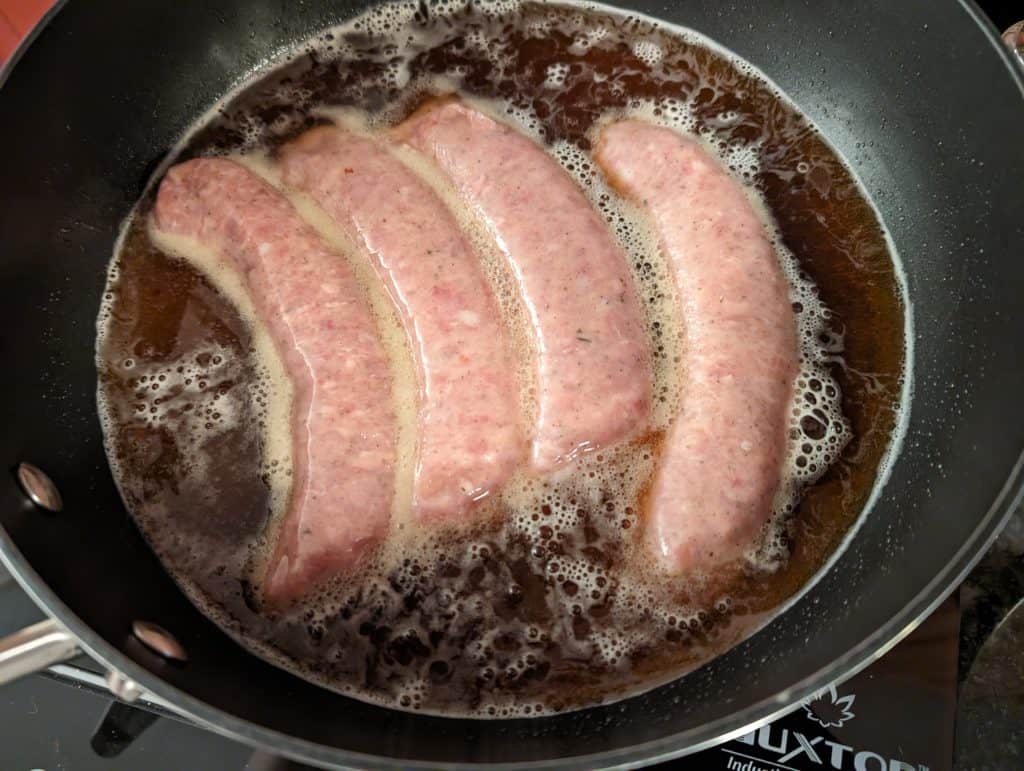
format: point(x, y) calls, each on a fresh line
point(648, 52)
point(556, 74)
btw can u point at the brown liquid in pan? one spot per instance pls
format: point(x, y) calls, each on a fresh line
point(488, 622)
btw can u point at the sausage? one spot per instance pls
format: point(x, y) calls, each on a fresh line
point(722, 459)
point(593, 366)
point(469, 435)
point(343, 426)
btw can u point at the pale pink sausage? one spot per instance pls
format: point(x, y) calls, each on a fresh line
point(722, 460)
point(593, 369)
point(342, 422)
point(469, 438)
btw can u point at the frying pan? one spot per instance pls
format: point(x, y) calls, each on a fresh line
point(919, 95)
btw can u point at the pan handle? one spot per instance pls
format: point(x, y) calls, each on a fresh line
point(34, 648)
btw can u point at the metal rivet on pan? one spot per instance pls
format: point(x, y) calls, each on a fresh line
point(159, 640)
point(39, 487)
point(122, 687)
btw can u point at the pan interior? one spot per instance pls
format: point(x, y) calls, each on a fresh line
point(180, 394)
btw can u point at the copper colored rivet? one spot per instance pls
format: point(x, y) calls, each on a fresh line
point(159, 640)
point(39, 487)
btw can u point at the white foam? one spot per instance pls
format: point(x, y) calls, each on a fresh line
point(556, 74)
point(648, 52)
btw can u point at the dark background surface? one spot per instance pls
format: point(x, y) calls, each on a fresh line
point(1003, 12)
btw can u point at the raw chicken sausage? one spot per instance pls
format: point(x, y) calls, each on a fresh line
point(469, 437)
point(343, 427)
point(593, 368)
point(723, 456)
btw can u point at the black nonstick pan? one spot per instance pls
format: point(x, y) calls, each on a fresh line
point(920, 97)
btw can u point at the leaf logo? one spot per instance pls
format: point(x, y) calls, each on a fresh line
point(828, 709)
